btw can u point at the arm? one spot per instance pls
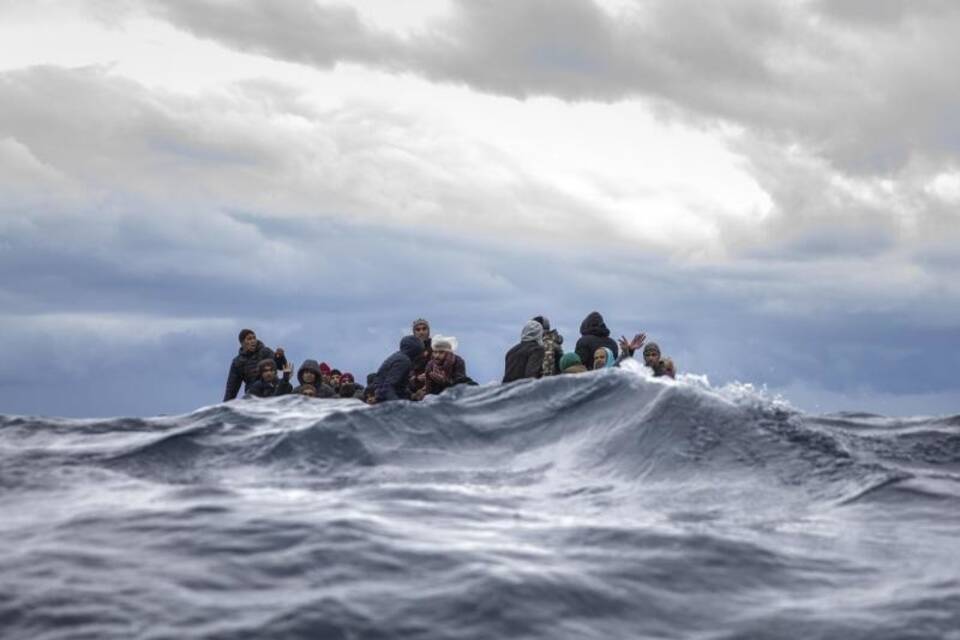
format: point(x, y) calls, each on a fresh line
point(234, 380)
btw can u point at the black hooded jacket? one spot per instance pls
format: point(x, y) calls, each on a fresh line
point(323, 390)
point(593, 335)
point(261, 389)
point(243, 369)
point(393, 376)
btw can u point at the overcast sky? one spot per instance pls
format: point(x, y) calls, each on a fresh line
point(770, 190)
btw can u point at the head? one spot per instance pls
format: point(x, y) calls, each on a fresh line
point(347, 389)
point(325, 372)
point(309, 372)
point(544, 322)
point(532, 332)
point(411, 346)
point(568, 360)
point(267, 369)
point(335, 378)
point(421, 328)
point(442, 345)
point(248, 340)
point(603, 358)
point(347, 378)
point(651, 354)
point(307, 390)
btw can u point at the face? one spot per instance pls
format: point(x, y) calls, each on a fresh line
point(250, 343)
point(438, 355)
point(421, 331)
point(309, 377)
point(599, 359)
point(651, 358)
point(269, 374)
point(308, 391)
point(334, 380)
point(325, 377)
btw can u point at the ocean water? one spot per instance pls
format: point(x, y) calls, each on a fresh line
point(606, 505)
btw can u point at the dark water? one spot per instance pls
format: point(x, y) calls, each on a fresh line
point(599, 506)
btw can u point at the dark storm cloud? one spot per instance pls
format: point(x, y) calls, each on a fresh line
point(864, 84)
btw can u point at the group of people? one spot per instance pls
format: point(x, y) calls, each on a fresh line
point(428, 364)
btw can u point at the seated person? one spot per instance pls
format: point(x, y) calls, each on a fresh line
point(603, 358)
point(311, 374)
point(349, 388)
point(570, 363)
point(445, 368)
point(660, 366)
point(268, 386)
point(525, 359)
point(306, 390)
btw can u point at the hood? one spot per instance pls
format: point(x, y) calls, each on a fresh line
point(593, 325)
point(532, 332)
point(411, 346)
point(309, 365)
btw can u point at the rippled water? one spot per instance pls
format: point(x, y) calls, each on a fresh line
point(605, 505)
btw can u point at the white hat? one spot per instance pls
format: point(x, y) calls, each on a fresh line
point(443, 343)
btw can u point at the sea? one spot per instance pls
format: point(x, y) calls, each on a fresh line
point(605, 505)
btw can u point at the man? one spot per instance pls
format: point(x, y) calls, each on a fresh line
point(268, 386)
point(552, 347)
point(660, 366)
point(445, 369)
point(243, 369)
point(311, 375)
point(418, 374)
point(525, 360)
point(393, 378)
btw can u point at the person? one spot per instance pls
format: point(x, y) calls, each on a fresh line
point(552, 347)
point(268, 386)
point(311, 374)
point(525, 359)
point(593, 335)
point(370, 391)
point(393, 376)
point(306, 390)
point(659, 365)
point(603, 358)
point(243, 368)
point(325, 374)
point(570, 363)
point(335, 379)
point(418, 374)
point(445, 369)
point(349, 387)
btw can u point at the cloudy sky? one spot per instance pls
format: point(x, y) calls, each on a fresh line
point(771, 190)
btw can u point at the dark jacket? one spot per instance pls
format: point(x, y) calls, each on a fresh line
point(420, 366)
point(323, 390)
point(262, 389)
point(243, 369)
point(524, 360)
point(393, 376)
point(552, 344)
point(593, 335)
point(440, 377)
